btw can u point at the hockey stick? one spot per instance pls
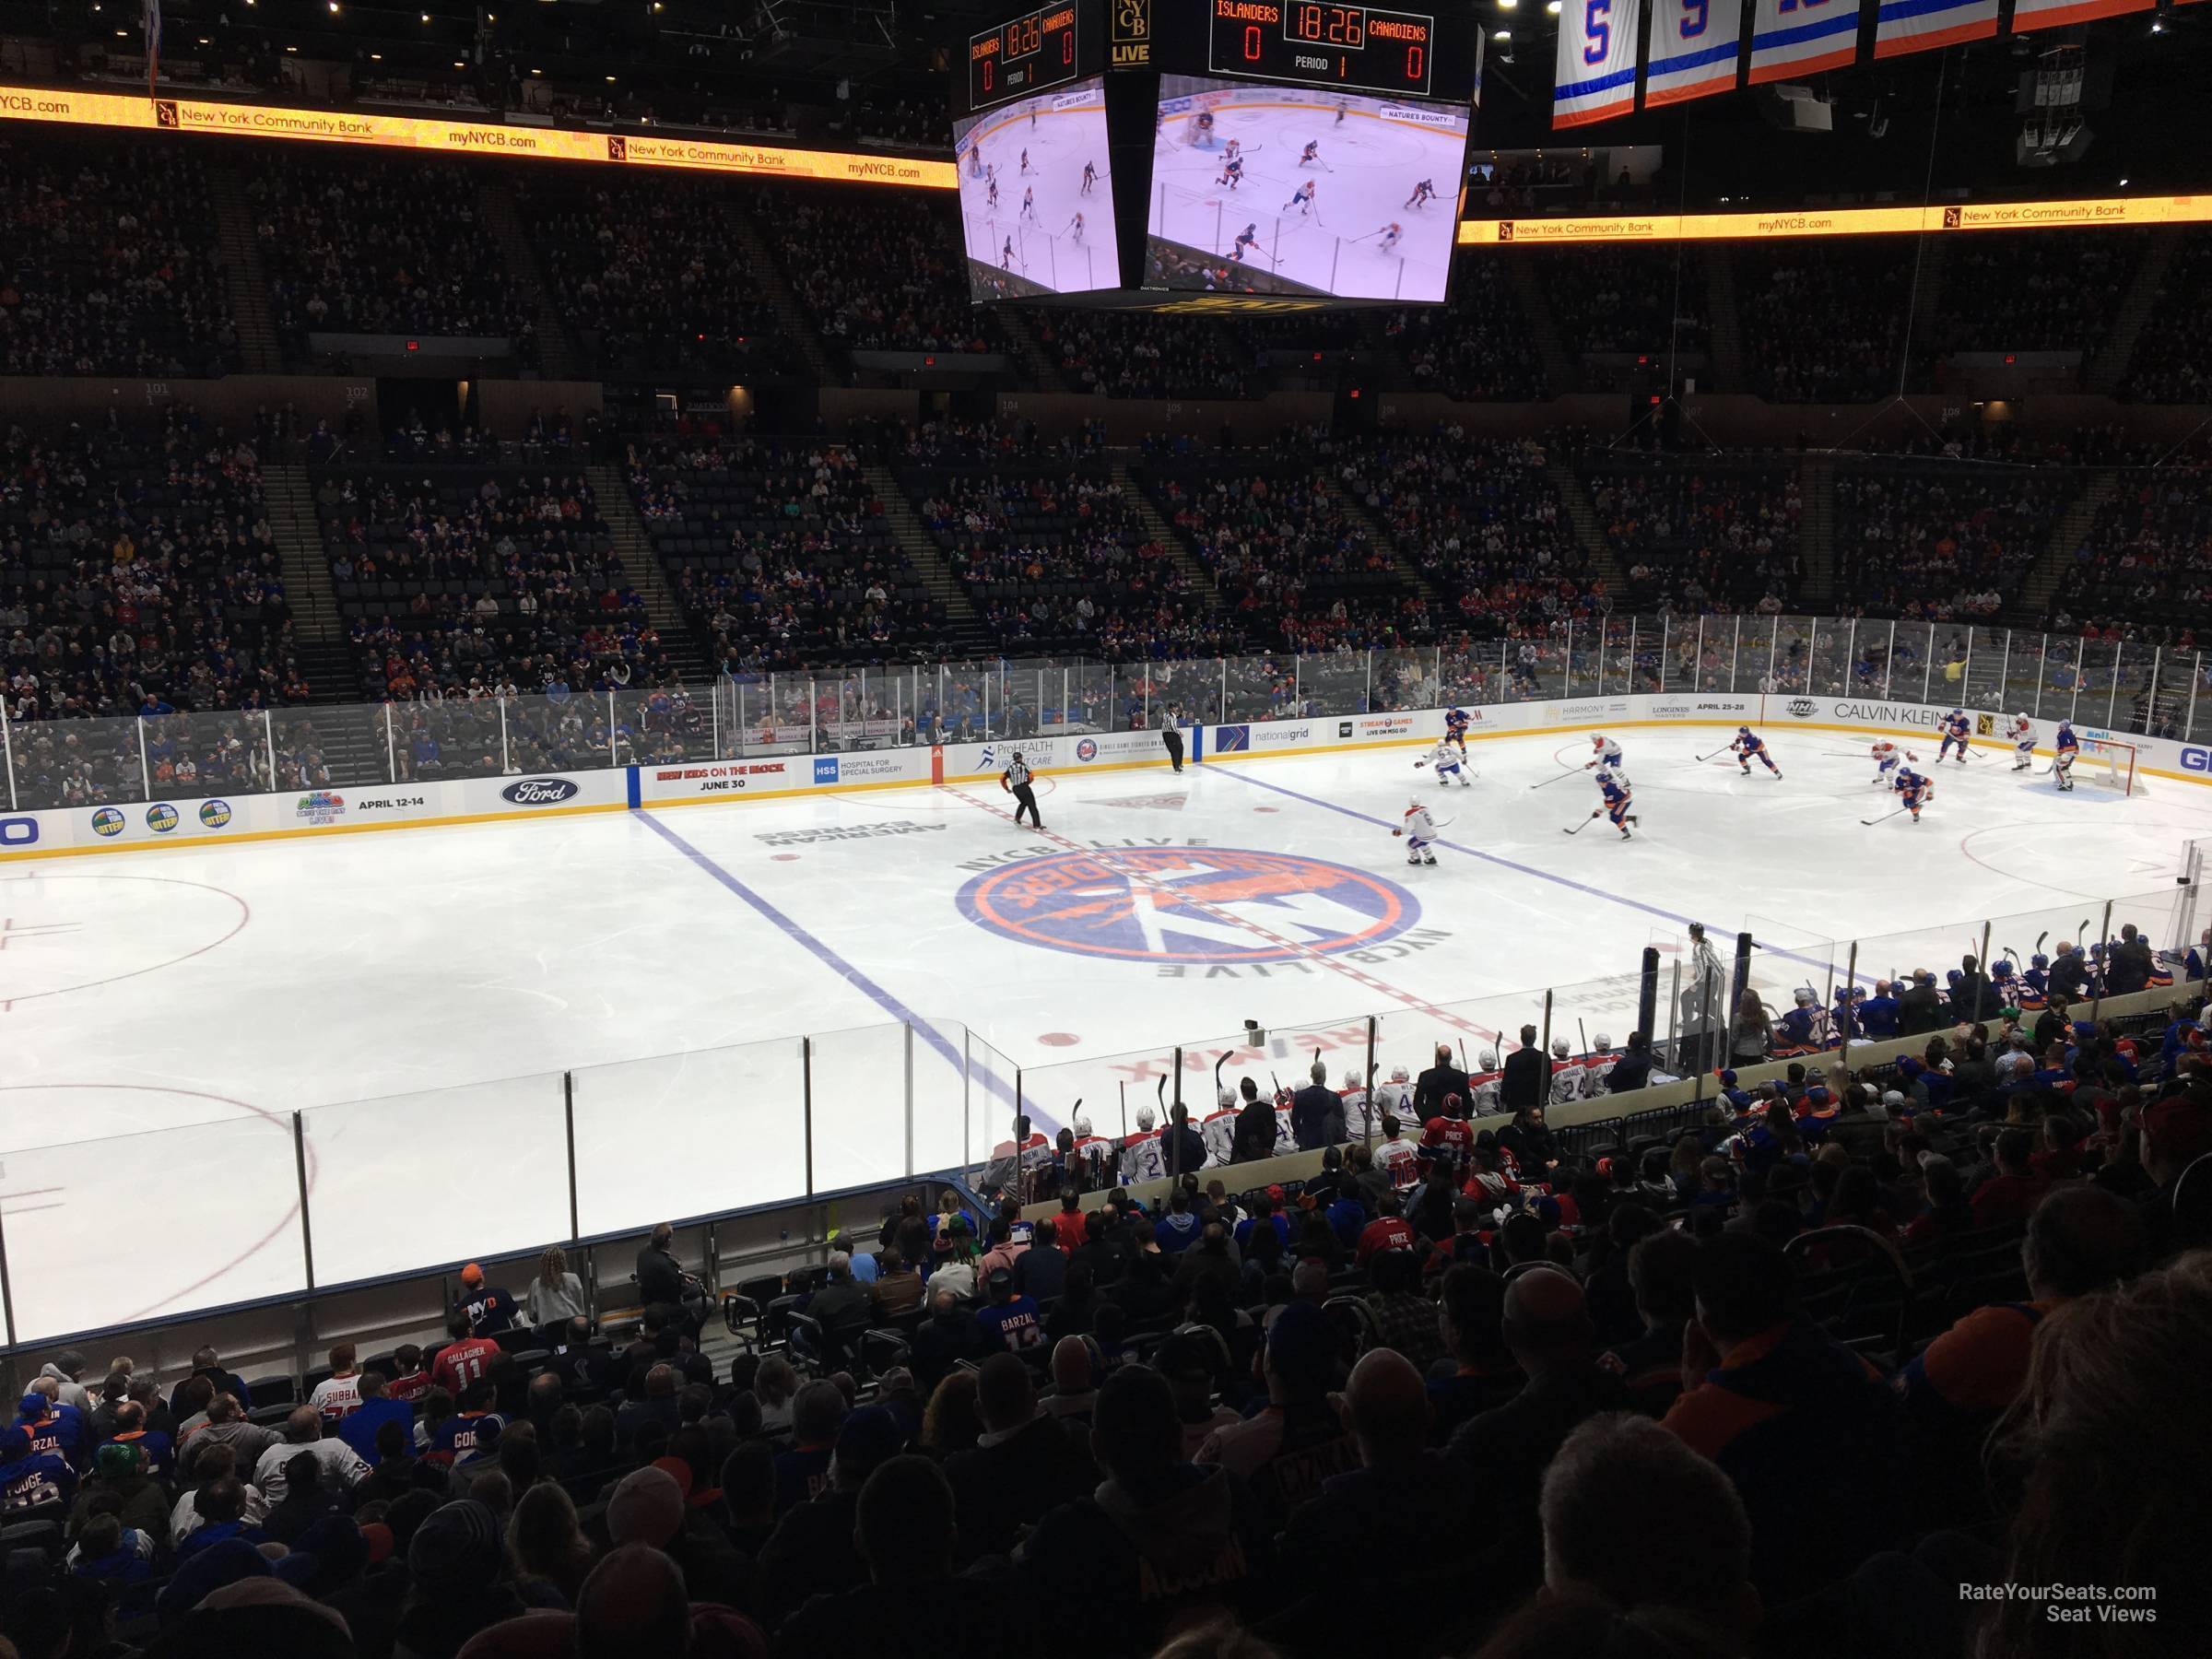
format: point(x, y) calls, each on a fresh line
point(1125, 1109)
point(1550, 781)
point(1278, 1084)
point(1462, 1055)
point(1581, 827)
point(2039, 940)
point(2012, 955)
point(1218, 1066)
point(1886, 817)
point(1583, 1034)
point(1716, 753)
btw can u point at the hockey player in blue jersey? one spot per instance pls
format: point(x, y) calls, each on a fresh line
point(1807, 1026)
point(1913, 791)
point(1956, 726)
point(1615, 810)
point(1450, 762)
point(1747, 746)
point(1310, 153)
point(2069, 750)
point(1455, 727)
point(1878, 1015)
point(1247, 237)
point(1232, 173)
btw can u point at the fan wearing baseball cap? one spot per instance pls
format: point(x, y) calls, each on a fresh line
point(490, 1310)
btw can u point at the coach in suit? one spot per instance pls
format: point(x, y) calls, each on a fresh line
point(1433, 1086)
point(1526, 1078)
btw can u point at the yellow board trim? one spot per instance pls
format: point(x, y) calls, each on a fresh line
point(1232, 757)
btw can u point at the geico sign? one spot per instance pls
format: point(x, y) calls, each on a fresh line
point(19, 832)
point(2193, 759)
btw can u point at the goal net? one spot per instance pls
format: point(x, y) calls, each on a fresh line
point(2109, 764)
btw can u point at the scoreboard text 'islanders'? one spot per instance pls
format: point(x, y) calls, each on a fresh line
point(1308, 43)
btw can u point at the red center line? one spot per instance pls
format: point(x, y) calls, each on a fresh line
point(1334, 964)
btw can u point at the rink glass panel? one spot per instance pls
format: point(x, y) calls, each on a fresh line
point(861, 1106)
point(1109, 1089)
point(507, 1194)
point(690, 1135)
point(228, 1231)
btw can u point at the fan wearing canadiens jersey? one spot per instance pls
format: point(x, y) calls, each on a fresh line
point(1448, 1138)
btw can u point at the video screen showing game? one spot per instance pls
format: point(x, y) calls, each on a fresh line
point(1036, 201)
point(1296, 190)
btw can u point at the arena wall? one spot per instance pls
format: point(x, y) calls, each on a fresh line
point(214, 820)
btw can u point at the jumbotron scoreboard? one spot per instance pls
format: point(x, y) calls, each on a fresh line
point(1358, 48)
point(1107, 151)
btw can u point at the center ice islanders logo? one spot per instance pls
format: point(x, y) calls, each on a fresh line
point(1188, 904)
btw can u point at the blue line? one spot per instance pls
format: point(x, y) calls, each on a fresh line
point(1565, 881)
point(837, 965)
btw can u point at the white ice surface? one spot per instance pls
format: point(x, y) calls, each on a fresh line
point(1048, 248)
point(1364, 173)
point(227, 988)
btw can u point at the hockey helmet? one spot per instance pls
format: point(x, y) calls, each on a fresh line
point(1560, 1048)
point(1490, 1059)
point(1144, 1119)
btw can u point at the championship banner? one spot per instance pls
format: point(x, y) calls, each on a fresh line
point(2029, 15)
point(1695, 48)
point(1793, 37)
point(1596, 71)
point(1903, 26)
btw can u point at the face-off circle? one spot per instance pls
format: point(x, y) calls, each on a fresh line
point(1188, 904)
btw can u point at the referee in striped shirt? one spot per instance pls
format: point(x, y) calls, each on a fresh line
point(1016, 781)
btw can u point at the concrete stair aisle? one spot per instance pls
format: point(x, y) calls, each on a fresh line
point(790, 315)
point(2041, 579)
point(355, 747)
point(245, 279)
point(1157, 529)
point(1817, 529)
point(2103, 372)
point(1588, 533)
point(1379, 533)
point(633, 547)
point(557, 358)
point(1038, 368)
point(970, 637)
point(1561, 372)
point(1724, 332)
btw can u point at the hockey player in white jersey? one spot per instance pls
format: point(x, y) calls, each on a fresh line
point(2022, 733)
point(1393, 1096)
point(1887, 757)
point(1605, 754)
point(1485, 1088)
point(1419, 830)
point(1143, 1157)
point(1355, 1098)
point(1569, 1081)
point(1092, 1154)
point(1219, 1129)
point(1449, 759)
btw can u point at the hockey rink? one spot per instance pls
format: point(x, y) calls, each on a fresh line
point(417, 994)
point(1369, 157)
point(1044, 221)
